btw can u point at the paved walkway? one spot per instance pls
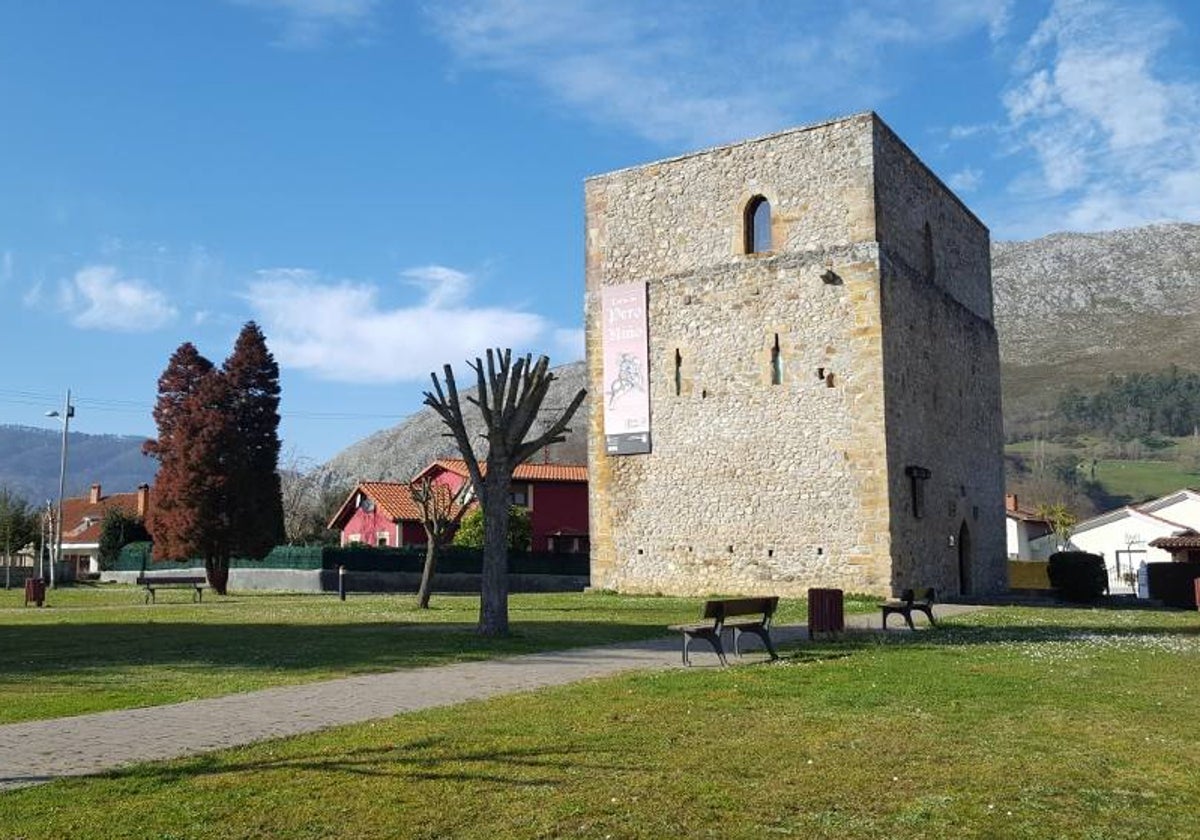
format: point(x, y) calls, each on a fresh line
point(40, 751)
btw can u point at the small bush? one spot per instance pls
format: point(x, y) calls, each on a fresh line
point(1077, 575)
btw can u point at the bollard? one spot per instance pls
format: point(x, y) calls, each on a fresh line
point(342, 582)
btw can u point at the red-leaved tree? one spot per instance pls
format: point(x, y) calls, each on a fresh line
point(217, 492)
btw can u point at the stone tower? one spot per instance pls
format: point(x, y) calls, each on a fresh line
point(794, 372)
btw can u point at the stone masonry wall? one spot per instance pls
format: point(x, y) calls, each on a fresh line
point(942, 381)
point(750, 486)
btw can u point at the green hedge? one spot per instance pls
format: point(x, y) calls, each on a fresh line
point(1077, 575)
point(135, 557)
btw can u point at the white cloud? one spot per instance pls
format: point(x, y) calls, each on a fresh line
point(6, 267)
point(345, 331)
point(443, 286)
point(665, 77)
point(99, 298)
point(306, 23)
point(1113, 137)
point(965, 180)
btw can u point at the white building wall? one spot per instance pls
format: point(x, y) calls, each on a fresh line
point(1128, 532)
point(1186, 511)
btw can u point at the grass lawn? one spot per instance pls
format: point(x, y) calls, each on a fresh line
point(1010, 723)
point(100, 648)
point(1142, 480)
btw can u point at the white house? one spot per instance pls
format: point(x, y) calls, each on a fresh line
point(1182, 506)
point(1122, 537)
point(1022, 527)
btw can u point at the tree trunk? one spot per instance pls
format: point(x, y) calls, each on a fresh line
point(431, 554)
point(493, 602)
point(216, 569)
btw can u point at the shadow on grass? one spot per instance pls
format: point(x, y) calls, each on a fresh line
point(29, 650)
point(425, 759)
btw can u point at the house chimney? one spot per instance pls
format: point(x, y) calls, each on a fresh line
point(94, 496)
point(1010, 502)
point(143, 500)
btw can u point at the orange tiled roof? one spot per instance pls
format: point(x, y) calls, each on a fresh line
point(392, 498)
point(82, 517)
point(524, 472)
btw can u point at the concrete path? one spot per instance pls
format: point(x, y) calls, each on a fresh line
point(40, 751)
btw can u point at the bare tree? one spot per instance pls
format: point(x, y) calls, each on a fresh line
point(439, 508)
point(509, 397)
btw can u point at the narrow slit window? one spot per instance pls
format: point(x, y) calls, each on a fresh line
point(758, 226)
point(678, 373)
point(776, 363)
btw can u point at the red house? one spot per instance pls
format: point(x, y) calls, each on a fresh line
point(382, 513)
point(555, 494)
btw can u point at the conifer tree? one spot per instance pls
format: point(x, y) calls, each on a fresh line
point(256, 508)
point(188, 508)
point(217, 491)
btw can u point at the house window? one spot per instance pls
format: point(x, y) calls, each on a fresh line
point(381, 539)
point(354, 538)
point(757, 226)
point(776, 363)
point(917, 476)
point(519, 495)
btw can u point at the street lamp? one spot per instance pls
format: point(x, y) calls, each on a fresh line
point(65, 415)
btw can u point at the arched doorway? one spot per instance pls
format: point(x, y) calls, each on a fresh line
point(964, 560)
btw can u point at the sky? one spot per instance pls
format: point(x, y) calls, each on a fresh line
point(386, 187)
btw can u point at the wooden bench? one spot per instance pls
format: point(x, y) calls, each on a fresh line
point(717, 613)
point(920, 600)
point(153, 582)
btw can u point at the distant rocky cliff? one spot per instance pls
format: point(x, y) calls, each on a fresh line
point(1071, 308)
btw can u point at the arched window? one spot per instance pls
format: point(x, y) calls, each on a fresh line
point(757, 225)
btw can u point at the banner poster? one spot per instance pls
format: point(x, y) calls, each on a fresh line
point(626, 369)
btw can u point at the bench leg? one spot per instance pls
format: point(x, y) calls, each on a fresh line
point(198, 597)
point(710, 637)
point(149, 595)
point(757, 631)
point(929, 614)
point(908, 618)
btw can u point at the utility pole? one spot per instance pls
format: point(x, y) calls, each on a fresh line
point(67, 413)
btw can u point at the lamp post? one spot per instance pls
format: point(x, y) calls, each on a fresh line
point(65, 415)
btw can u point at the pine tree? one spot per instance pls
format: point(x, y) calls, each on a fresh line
point(256, 508)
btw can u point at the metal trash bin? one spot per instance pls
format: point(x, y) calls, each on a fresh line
point(826, 611)
point(35, 590)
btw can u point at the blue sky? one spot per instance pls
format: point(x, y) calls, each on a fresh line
point(386, 187)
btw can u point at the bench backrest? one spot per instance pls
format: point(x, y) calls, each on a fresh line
point(925, 595)
point(726, 607)
point(145, 579)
